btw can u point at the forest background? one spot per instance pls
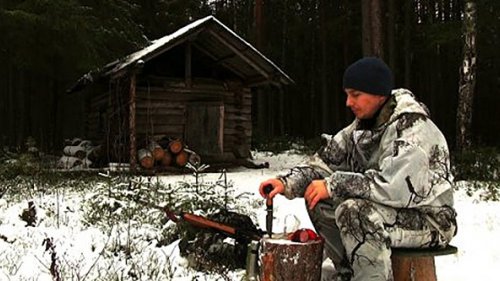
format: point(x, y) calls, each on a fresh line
point(46, 45)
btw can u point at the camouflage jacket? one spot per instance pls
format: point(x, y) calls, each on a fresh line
point(402, 161)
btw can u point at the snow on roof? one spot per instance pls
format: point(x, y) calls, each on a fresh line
point(171, 40)
point(156, 44)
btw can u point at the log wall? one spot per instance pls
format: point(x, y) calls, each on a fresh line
point(161, 106)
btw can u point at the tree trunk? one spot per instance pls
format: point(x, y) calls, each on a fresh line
point(325, 104)
point(391, 40)
point(291, 261)
point(371, 11)
point(260, 96)
point(11, 105)
point(407, 42)
point(131, 112)
point(467, 79)
point(366, 27)
point(377, 45)
point(284, 46)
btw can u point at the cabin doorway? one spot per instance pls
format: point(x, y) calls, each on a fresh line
point(205, 127)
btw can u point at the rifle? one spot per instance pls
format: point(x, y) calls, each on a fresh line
point(202, 222)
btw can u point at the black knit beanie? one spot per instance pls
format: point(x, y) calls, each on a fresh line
point(370, 75)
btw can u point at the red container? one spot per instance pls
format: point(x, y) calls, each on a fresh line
point(304, 235)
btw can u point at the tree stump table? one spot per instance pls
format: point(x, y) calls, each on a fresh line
point(282, 259)
point(417, 264)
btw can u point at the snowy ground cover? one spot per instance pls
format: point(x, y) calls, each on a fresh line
point(65, 241)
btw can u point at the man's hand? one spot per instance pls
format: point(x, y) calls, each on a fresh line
point(278, 188)
point(315, 192)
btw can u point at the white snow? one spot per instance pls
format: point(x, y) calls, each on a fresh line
point(82, 252)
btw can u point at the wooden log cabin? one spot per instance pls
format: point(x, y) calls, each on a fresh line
point(195, 84)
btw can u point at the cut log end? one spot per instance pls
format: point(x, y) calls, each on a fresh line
point(145, 158)
point(156, 150)
point(166, 160)
point(175, 146)
point(75, 151)
point(181, 159)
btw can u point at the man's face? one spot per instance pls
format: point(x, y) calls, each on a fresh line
point(362, 104)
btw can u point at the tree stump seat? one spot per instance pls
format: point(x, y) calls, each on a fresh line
point(417, 264)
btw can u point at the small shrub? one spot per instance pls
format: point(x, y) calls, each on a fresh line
point(285, 143)
point(477, 164)
point(481, 167)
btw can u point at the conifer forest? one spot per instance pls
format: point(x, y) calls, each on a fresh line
point(442, 50)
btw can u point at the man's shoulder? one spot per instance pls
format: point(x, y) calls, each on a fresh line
point(407, 105)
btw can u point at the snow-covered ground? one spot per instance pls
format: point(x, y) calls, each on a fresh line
point(80, 250)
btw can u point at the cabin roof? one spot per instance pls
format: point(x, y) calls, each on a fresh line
point(209, 36)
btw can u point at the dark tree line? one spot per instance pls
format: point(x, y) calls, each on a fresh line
point(47, 44)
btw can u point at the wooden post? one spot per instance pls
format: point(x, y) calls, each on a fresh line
point(132, 140)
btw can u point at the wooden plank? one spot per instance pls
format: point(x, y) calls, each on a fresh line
point(164, 119)
point(240, 53)
point(168, 130)
point(198, 83)
point(159, 101)
point(204, 132)
point(424, 252)
point(98, 102)
point(241, 118)
point(183, 95)
point(228, 131)
point(231, 109)
point(160, 111)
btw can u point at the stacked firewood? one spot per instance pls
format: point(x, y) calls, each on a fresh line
point(166, 152)
point(78, 153)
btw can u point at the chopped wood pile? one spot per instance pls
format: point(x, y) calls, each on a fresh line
point(78, 153)
point(166, 152)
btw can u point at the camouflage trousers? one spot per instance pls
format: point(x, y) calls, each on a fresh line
point(359, 235)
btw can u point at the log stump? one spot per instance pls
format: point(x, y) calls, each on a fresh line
point(416, 264)
point(282, 259)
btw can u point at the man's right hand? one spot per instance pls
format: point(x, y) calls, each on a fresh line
point(278, 188)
